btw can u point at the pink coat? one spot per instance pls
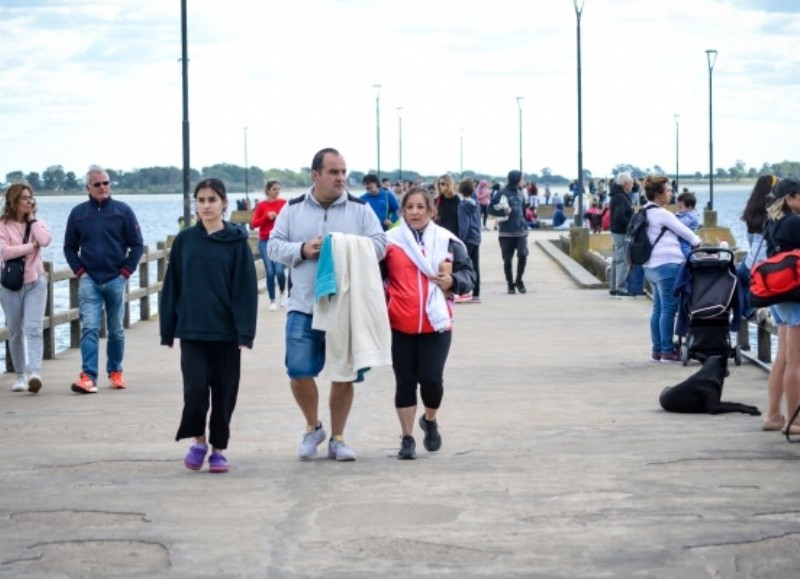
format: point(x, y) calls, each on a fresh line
point(11, 246)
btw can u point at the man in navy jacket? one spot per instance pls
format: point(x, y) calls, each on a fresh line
point(103, 245)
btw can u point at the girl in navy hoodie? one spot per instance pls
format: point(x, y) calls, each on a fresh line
point(209, 301)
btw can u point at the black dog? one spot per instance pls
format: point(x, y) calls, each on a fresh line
point(701, 392)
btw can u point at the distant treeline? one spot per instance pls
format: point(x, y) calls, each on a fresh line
point(170, 179)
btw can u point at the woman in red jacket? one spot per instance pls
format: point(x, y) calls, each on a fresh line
point(425, 265)
point(264, 218)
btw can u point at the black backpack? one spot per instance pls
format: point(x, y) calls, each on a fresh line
point(637, 245)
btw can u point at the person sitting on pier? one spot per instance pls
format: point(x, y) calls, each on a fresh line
point(103, 246)
point(560, 220)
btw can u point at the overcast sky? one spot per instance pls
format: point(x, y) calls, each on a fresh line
point(91, 81)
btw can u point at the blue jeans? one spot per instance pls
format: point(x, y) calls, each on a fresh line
point(305, 347)
point(635, 280)
point(743, 273)
point(92, 297)
point(665, 305)
point(273, 269)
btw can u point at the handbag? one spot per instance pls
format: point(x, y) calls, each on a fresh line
point(776, 279)
point(12, 275)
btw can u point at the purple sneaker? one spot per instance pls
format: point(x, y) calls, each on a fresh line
point(195, 457)
point(217, 462)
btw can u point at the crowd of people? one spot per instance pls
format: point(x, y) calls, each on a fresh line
point(426, 240)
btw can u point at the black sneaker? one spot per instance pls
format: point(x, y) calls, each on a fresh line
point(521, 287)
point(433, 440)
point(408, 449)
point(511, 289)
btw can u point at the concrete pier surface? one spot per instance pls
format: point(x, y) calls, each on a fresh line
point(557, 461)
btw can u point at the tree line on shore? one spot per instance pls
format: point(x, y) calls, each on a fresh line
point(55, 180)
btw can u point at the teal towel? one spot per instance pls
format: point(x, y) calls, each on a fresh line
point(325, 283)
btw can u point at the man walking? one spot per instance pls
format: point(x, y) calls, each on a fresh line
point(509, 204)
point(103, 245)
point(382, 201)
point(621, 210)
point(296, 241)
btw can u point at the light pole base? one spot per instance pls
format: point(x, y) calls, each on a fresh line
point(709, 218)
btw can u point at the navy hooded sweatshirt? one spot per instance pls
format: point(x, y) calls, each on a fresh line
point(210, 290)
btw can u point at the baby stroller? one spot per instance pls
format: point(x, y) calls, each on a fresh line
point(710, 305)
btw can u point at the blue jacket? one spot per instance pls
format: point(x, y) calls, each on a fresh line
point(384, 204)
point(103, 240)
point(515, 225)
point(469, 221)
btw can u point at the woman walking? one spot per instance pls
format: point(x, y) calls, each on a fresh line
point(209, 301)
point(782, 233)
point(264, 218)
point(425, 265)
point(665, 232)
point(23, 235)
point(754, 217)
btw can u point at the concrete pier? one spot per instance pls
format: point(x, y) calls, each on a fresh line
point(557, 461)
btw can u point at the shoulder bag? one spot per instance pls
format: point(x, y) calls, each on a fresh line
point(12, 275)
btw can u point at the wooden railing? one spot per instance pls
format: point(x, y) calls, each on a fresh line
point(152, 268)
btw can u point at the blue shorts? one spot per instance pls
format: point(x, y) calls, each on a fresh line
point(305, 347)
point(786, 314)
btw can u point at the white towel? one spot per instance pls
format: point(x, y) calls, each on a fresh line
point(436, 241)
point(353, 315)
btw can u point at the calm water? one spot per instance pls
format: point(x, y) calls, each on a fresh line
point(158, 217)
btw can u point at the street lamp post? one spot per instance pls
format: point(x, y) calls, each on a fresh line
point(400, 143)
point(578, 220)
point(377, 88)
point(519, 111)
point(711, 58)
point(461, 154)
point(677, 154)
point(187, 200)
point(246, 171)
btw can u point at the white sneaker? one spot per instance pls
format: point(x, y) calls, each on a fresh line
point(339, 450)
point(273, 307)
point(21, 384)
point(283, 300)
point(311, 440)
point(34, 383)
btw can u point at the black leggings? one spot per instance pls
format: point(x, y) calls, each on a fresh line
point(484, 213)
point(419, 359)
point(509, 245)
point(208, 366)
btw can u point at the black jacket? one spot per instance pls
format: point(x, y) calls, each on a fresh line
point(621, 209)
point(210, 290)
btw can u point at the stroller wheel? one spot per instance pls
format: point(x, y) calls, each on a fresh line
point(684, 354)
point(737, 356)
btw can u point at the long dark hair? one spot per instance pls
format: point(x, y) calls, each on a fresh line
point(755, 210)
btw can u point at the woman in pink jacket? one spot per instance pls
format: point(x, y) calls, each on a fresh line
point(24, 308)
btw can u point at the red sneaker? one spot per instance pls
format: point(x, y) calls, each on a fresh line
point(117, 381)
point(84, 384)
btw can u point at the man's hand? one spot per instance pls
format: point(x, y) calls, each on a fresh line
point(312, 248)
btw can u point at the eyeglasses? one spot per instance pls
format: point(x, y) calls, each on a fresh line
point(99, 184)
point(442, 184)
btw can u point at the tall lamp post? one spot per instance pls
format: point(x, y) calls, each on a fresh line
point(461, 154)
point(187, 200)
point(519, 112)
point(677, 154)
point(578, 220)
point(711, 58)
point(246, 171)
point(377, 88)
point(400, 143)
